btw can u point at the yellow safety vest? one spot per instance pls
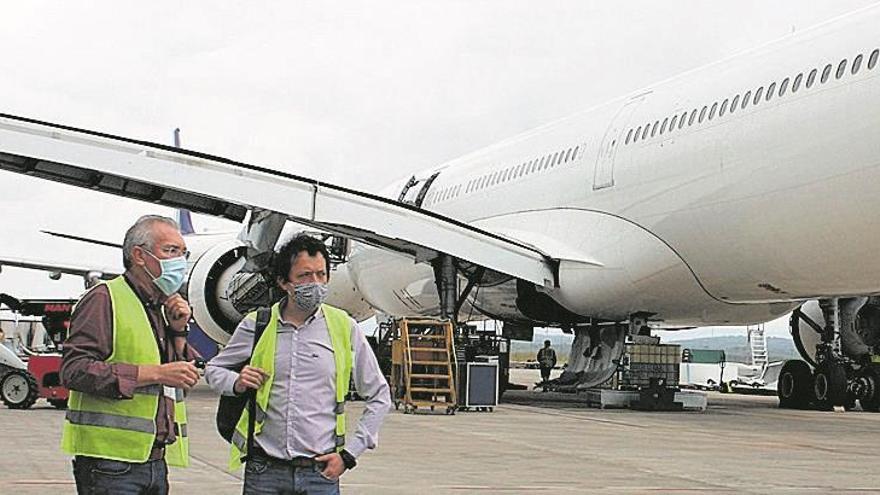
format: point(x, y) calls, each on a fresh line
point(339, 327)
point(124, 429)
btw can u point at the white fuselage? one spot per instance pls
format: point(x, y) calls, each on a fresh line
point(731, 218)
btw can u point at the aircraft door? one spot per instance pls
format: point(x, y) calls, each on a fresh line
point(604, 174)
point(415, 190)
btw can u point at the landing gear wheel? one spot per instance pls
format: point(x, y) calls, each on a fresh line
point(18, 389)
point(58, 403)
point(868, 386)
point(829, 385)
point(795, 386)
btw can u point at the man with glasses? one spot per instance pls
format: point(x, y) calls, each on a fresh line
point(127, 365)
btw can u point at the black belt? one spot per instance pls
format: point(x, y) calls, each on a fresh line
point(299, 462)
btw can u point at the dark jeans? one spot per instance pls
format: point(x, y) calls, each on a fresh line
point(545, 373)
point(265, 475)
point(96, 476)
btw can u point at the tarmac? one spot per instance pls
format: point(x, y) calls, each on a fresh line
point(533, 442)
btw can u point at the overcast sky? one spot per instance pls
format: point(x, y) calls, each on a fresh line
point(357, 93)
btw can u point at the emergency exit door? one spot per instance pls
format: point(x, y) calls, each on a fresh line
point(604, 174)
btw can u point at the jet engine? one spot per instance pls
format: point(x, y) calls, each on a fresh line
point(221, 294)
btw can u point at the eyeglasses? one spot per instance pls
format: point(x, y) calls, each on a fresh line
point(172, 251)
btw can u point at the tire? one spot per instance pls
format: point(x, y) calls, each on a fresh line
point(18, 389)
point(795, 385)
point(829, 385)
point(58, 403)
point(871, 378)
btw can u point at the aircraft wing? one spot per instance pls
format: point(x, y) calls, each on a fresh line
point(225, 188)
point(69, 269)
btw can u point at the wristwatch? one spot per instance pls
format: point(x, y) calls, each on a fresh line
point(174, 333)
point(348, 459)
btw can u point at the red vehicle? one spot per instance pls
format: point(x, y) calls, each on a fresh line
point(22, 384)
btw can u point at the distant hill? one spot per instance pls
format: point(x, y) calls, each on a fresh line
point(736, 348)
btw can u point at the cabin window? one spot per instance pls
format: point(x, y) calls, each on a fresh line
point(712, 111)
point(575, 153)
point(567, 155)
point(797, 83)
point(826, 72)
point(872, 61)
point(654, 128)
point(746, 99)
point(770, 92)
point(703, 114)
point(556, 157)
point(841, 69)
point(783, 87)
point(811, 78)
point(645, 132)
point(723, 108)
point(681, 121)
point(734, 104)
point(857, 64)
point(672, 122)
point(636, 138)
point(628, 136)
point(693, 116)
point(663, 126)
point(758, 94)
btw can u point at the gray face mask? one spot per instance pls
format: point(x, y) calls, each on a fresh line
point(308, 297)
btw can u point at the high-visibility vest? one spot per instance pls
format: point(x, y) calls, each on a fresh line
point(124, 429)
point(339, 327)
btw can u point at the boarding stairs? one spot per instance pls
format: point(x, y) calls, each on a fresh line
point(758, 346)
point(425, 376)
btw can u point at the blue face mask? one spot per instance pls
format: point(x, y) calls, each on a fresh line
point(172, 276)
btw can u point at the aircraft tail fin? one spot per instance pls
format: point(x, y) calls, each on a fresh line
point(184, 220)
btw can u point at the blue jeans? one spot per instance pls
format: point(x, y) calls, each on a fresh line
point(265, 476)
point(96, 476)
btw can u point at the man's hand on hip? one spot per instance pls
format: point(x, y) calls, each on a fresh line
point(335, 465)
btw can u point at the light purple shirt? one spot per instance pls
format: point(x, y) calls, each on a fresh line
point(299, 418)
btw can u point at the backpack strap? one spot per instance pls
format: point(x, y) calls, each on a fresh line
point(263, 316)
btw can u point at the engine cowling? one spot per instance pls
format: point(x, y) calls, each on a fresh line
point(220, 295)
point(207, 289)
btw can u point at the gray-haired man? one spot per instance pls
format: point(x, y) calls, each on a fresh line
point(127, 363)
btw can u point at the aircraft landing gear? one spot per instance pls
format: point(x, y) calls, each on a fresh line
point(795, 385)
point(835, 337)
point(829, 385)
point(866, 388)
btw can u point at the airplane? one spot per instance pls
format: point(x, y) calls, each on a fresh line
point(729, 195)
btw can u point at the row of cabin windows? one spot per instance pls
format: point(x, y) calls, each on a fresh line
point(743, 101)
point(499, 176)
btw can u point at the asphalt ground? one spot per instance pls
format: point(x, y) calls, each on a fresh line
point(533, 442)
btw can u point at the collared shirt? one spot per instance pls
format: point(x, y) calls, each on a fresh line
point(90, 343)
point(300, 418)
